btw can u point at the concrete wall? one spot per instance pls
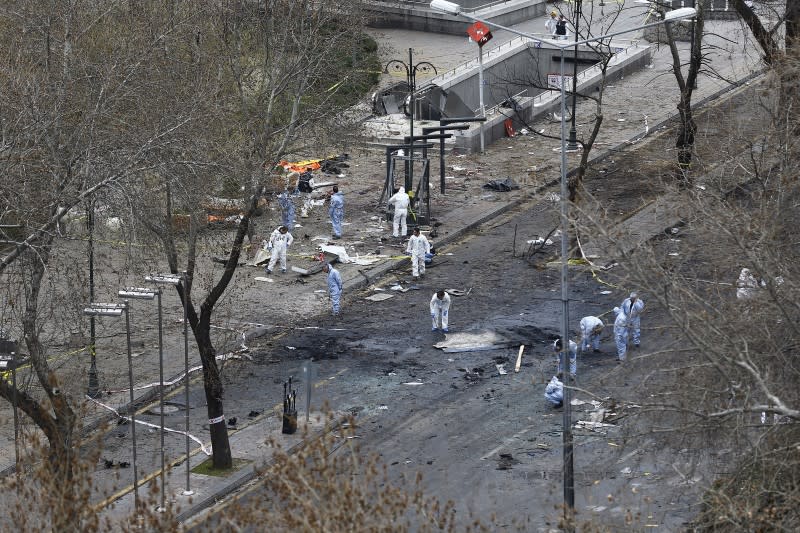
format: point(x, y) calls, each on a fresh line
point(418, 16)
point(712, 9)
point(520, 69)
point(547, 102)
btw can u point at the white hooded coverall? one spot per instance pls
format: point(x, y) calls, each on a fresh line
point(554, 392)
point(621, 333)
point(401, 202)
point(440, 308)
point(418, 246)
point(633, 308)
point(279, 242)
point(588, 325)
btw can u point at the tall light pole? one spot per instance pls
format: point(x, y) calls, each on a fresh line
point(175, 280)
point(137, 293)
point(452, 8)
point(116, 310)
point(411, 79)
point(481, 35)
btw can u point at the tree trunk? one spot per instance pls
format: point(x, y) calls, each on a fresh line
point(220, 445)
point(685, 141)
point(60, 426)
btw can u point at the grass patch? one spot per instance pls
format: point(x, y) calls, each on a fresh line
point(206, 468)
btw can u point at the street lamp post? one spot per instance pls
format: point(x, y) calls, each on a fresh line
point(175, 280)
point(573, 132)
point(116, 310)
point(93, 388)
point(411, 79)
point(452, 8)
point(136, 293)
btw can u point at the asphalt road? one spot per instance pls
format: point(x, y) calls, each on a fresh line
point(454, 426)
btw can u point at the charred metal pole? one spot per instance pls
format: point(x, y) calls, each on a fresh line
point(447, 122)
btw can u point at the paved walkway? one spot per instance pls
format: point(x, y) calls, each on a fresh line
point(252, 307)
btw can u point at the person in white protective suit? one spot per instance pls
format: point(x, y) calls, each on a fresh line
point(418, 246)
point(621, 333)
point(554, 392)
point(746, 285)
point(573, 356)
point(591, 329)
point(633, 307)
point(440, 310)
point(400, 200)
point(278, 242)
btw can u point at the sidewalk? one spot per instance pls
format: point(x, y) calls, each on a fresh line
point(255, 308)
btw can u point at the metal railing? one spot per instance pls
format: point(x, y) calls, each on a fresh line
point(513, 43)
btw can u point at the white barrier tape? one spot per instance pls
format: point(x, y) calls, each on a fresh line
point(216, 420)
point(221, 357)
point(206, 449)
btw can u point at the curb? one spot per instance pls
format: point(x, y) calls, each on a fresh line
point(190, 517)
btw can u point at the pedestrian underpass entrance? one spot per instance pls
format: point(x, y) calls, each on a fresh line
point(521, 84)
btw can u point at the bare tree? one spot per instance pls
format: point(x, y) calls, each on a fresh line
point(273, 75)
point(724, 365)
point(686, 86)
point(74, 82)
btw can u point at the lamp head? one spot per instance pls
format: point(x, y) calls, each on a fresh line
point(451, 8)
point(682, 13)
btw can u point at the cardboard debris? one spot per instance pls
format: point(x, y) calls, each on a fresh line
point(472, 342)
point(262, 256)
point(379, 297)
point(339, 251)
point(458, 292)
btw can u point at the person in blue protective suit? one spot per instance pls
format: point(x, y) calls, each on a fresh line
point(573, 356)
point(621, 333)
point(554, 392)
point(633, 307)
point(287, 208)
point(336, 212)
point(334, 287)
point(591, 329)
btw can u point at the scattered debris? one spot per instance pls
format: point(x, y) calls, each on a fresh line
point(383, 407)
point(519, 358)
point(398, 288)
point(413, 383)
point(501, 369)
point(458, 292)
point(472, 342)
point(505, 461)
point(262, 278)
point(505, 185)
point(379, 297)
